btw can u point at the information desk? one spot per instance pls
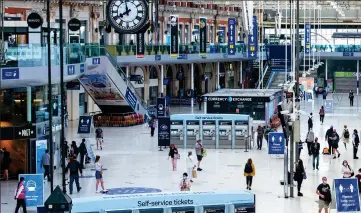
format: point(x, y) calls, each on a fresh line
point(217, 131)
point(180, 202)
point(260, 104)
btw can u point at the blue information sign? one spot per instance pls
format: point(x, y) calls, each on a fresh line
point(231, 36)
point(10, 73)
point(34, 189)
point(347, 54)
point(84, 124)
point(308, 38)
point(131, 98)
point(82, 68)
point(276, 143)
point(71, 69)
point(158, 57)
point(253, 39)
point(347, 196)
point(96, 60)
point(277, 55)
point(90, 151)
point(161, 106)
point(328, 106)
point(41, 146)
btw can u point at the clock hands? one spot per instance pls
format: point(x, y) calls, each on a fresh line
point(126, 9)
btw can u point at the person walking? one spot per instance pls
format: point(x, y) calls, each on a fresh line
point(152, 125)
point(266, 132)
point(174, 155)
point(310, 121)
point(45, 163)
point(74, 149)
point(20, 196)
point(328, 136)
point(322, 115)
point(249, 172)
point(346, 170)
point(324, 192)
point(350, 96)
point(99, 137)
point(74, 167)
point(315, 150)
point(185, 183)
point(260, 132)
point(5, 164)
point(190, 165)
point(355, 143)
point(358, 176)
point(335, 138)
point(299, 175)
point(82, 151)
point(199, 153)
point(345, 137)
point(99, 175)
point(309, 140)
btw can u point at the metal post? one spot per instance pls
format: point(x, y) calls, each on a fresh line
point(62, 92)
point(358, 73)
point(192, 84)
point(162, 79)
point(50, 110)
point(241, 75)
point(218, 67)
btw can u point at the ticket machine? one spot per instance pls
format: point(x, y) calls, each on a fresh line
point(209, 134)
point(241, 134)
point(176, 133)
point(192, 133)
point(225, 134)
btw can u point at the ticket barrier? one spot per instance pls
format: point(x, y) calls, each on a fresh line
point(176, 133)
point(225, 134)
point(209, 134)
point(193, 132)
point(241, 134)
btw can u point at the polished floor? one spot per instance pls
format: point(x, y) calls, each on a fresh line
point(132, 159)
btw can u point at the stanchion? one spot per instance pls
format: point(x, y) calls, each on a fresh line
point(246, 144)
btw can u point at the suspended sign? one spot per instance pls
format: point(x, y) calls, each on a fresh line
point(231, 36)
point(203, 36)
point(174, 39)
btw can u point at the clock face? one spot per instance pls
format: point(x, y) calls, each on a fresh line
point(127, 16)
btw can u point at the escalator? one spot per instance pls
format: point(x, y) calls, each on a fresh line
point(110, 88)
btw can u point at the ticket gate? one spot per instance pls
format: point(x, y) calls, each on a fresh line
point(241, 134)
point(193, 132)
point(176, 133)
point(209, 134)
point(225, 134)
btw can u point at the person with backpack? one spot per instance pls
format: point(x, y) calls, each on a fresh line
point(310, 121)
point(185, 183)
point(346, 170)
point(74, 167)
point(335, 138)
point(315, 150)
point(249, 173)
point(324, 192)
point(355, 143)
point(260, 132)
point(350, 96)
point(322, 114)
point(345, 137)
point(309, 140)
point(20, 196)
point(328, 136)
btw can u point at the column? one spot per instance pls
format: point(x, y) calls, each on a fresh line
point(192, 84)
point(127, 70)
point(146, 85)
point(241, 75)
point(326, 71)
point(72, 98)
point(107, 39)
point(218, 66)
point(358, 69)
point(161, 80)
point(28, 104)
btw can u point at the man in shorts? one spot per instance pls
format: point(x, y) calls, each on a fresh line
point(99, 137)
point(199, 153)
point(324, 193)
point(335, 138)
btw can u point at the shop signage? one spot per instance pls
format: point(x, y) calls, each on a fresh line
point(346, 74)
point(34, 189)
point(41, 146)
point(34, 20)
point(24, 132)
point(161, 107)
point(10, 74)
point(203, 36)
point(174, 37)
point(347, 195)
point(235, 99)
point(74, 24)
point(130, 98)
point(140, 46)
point(276, 143)
point(84, 125)
point(163, 131)
point(231, 36)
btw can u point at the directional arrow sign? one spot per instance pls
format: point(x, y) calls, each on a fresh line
point(252, 38)
point(276, 145)
point(346, 195)
point(252, 54)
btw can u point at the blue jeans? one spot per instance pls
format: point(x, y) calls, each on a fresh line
point(72, 178)
point(317, 158)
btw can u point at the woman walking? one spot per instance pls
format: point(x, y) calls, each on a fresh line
point(190, 165)
point(346, 170)
point(300, 174)
point(20, 196)
point(99, 175)
point(322, 114)
point(345, 137)
point(249, 173)
point(185, 184)
point(174, 155)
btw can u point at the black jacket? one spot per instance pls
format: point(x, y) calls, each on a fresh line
point(329, 134)
point(82, 148)
point(315, 149)
point(74, 166)
point(299, 173)
point(172, 152)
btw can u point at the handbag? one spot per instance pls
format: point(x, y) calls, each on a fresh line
point(352, 172)
point(194, 173)
point(101, 172)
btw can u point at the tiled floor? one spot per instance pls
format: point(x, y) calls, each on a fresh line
point(132, 159)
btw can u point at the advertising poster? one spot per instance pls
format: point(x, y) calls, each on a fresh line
point(174, 38)
point(276, 143)
point(329, 85)
point(131, 98)
point(34, 189)
point(307, 83)
point(41, 146)
point(84, 125)
point(102, 89)
point(203, 36)
point(328, 105)
point(347, 196)
point(163, 131)
point(308, 38)
point(140, 45)
point(231, 36)
point(161, 106)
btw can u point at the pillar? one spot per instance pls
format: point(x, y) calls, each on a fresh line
point(72, 98)
point(192, 84)
point(127, 70)
point(326, 72)
point(241, 75)
point(107, 38)
point(161, 80)
point(218, 67)
point(91, 105)
point(28, 104)
point(358, 69)
point(146, 84)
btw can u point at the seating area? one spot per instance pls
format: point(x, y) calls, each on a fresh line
point(120, 120)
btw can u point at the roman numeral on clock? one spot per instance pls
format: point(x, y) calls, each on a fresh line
point(138, 18)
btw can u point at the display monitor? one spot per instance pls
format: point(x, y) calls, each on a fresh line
point(214, 209)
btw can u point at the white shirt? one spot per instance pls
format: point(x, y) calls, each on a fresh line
point(346, 169)
point(98, 166)
point(190, 163)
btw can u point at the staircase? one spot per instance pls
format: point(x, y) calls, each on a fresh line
point(279, 78)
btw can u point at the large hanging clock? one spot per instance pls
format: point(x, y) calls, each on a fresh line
point(127, 16)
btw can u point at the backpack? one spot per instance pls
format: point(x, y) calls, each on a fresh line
point(346, 134)
point(248, 168)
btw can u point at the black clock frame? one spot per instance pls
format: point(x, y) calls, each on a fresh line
point(122, 31)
